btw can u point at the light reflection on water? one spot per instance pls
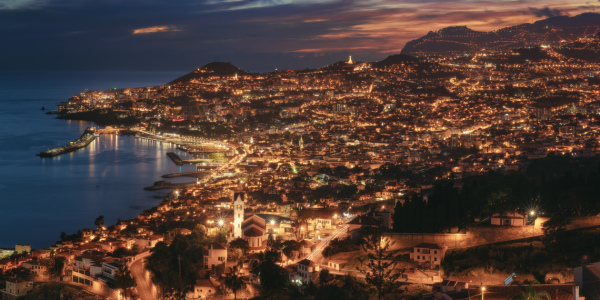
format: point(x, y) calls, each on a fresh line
point(72, 190)
point(41, 197)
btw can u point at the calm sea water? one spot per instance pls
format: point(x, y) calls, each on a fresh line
point(42, 197)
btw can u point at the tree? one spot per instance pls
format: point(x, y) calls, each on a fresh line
point(240, 244)
point(123, 279)
point(381, 273)
point(200, 230)
point(166, 262)
point(346, 287)
point(234, 283)
point(56, 290)
point(272, 276)
point(56, 270)
point(530, 293)
point(99, 222)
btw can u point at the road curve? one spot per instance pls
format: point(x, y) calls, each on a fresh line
point(137, 270)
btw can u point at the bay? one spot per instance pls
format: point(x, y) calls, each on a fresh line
point(42, 197)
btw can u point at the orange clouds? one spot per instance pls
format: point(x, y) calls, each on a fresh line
point(155, 29)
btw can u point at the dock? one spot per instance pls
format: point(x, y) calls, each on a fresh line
point(175, 158)
point(201, 162)
point(88, 136)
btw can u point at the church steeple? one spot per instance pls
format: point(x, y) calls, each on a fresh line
point(238, 214)
point(350, 60)
point(301, 143)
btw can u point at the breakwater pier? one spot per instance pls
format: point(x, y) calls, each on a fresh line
point(85, 139)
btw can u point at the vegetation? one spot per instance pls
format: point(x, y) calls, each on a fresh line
point(123, 252)
point(56, 270)
point(240, 245)
point(176, 267)
point(273, 278)
point(234, 283)
point(346, 287)
point(54, 290)
point(289, 246)
point(99, 222)
point(381, 273)
point(530, 293)
point(556, 187)
point(123, 279)
point(554, 254)
point(338, 246)
point(76, 237)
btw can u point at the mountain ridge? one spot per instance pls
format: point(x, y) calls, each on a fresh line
point(552, 31)
point(220, 69)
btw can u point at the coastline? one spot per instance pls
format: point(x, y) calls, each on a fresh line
point(161, 184)
point(41, 198)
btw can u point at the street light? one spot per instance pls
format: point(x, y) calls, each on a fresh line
point(532, 213)
point(483, 293)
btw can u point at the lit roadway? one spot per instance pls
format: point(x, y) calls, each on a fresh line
point(137, 270)
point(319, 249)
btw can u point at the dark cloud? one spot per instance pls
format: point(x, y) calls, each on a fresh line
point(545, 12)
point(253, 34)
point(432, 16)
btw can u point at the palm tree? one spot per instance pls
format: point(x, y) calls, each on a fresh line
point(123, 278)
point(234, 283)
point(529, 293)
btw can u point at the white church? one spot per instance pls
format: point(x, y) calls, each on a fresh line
point(256, 228)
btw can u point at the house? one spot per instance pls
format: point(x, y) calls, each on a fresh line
point(384, 217)
point(426, 252)
point(16, 288)
point(363, 220)
point(20, 248)
point(40, 254)
point(6, 264)
point(508, 219)
point(38, 267)
point(147, 242)
point(217, 254)
point(307, 271)
point(451, 286)
point(306, 247)
point(204, 288)
point(587, 278)
point(109, 269)
point(112, 245)
point(336, 264)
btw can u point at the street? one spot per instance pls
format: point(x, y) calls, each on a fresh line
point(137, 271)
point(316, 254)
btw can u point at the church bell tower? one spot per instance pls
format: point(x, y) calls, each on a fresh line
point(238, 214)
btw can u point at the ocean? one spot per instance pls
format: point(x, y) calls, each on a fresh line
point(42, 197)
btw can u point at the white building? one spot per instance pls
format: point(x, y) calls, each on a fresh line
point(238, 215)
point(203, 289)
point(307, 270)
point(217, 254)
point(426, 252)
point(508, 219)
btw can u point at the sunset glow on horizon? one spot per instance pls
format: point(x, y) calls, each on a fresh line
point(254, 34)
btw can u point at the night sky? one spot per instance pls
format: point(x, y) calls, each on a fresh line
point(255, 35)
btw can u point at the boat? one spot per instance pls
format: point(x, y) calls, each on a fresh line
point(88, 136)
